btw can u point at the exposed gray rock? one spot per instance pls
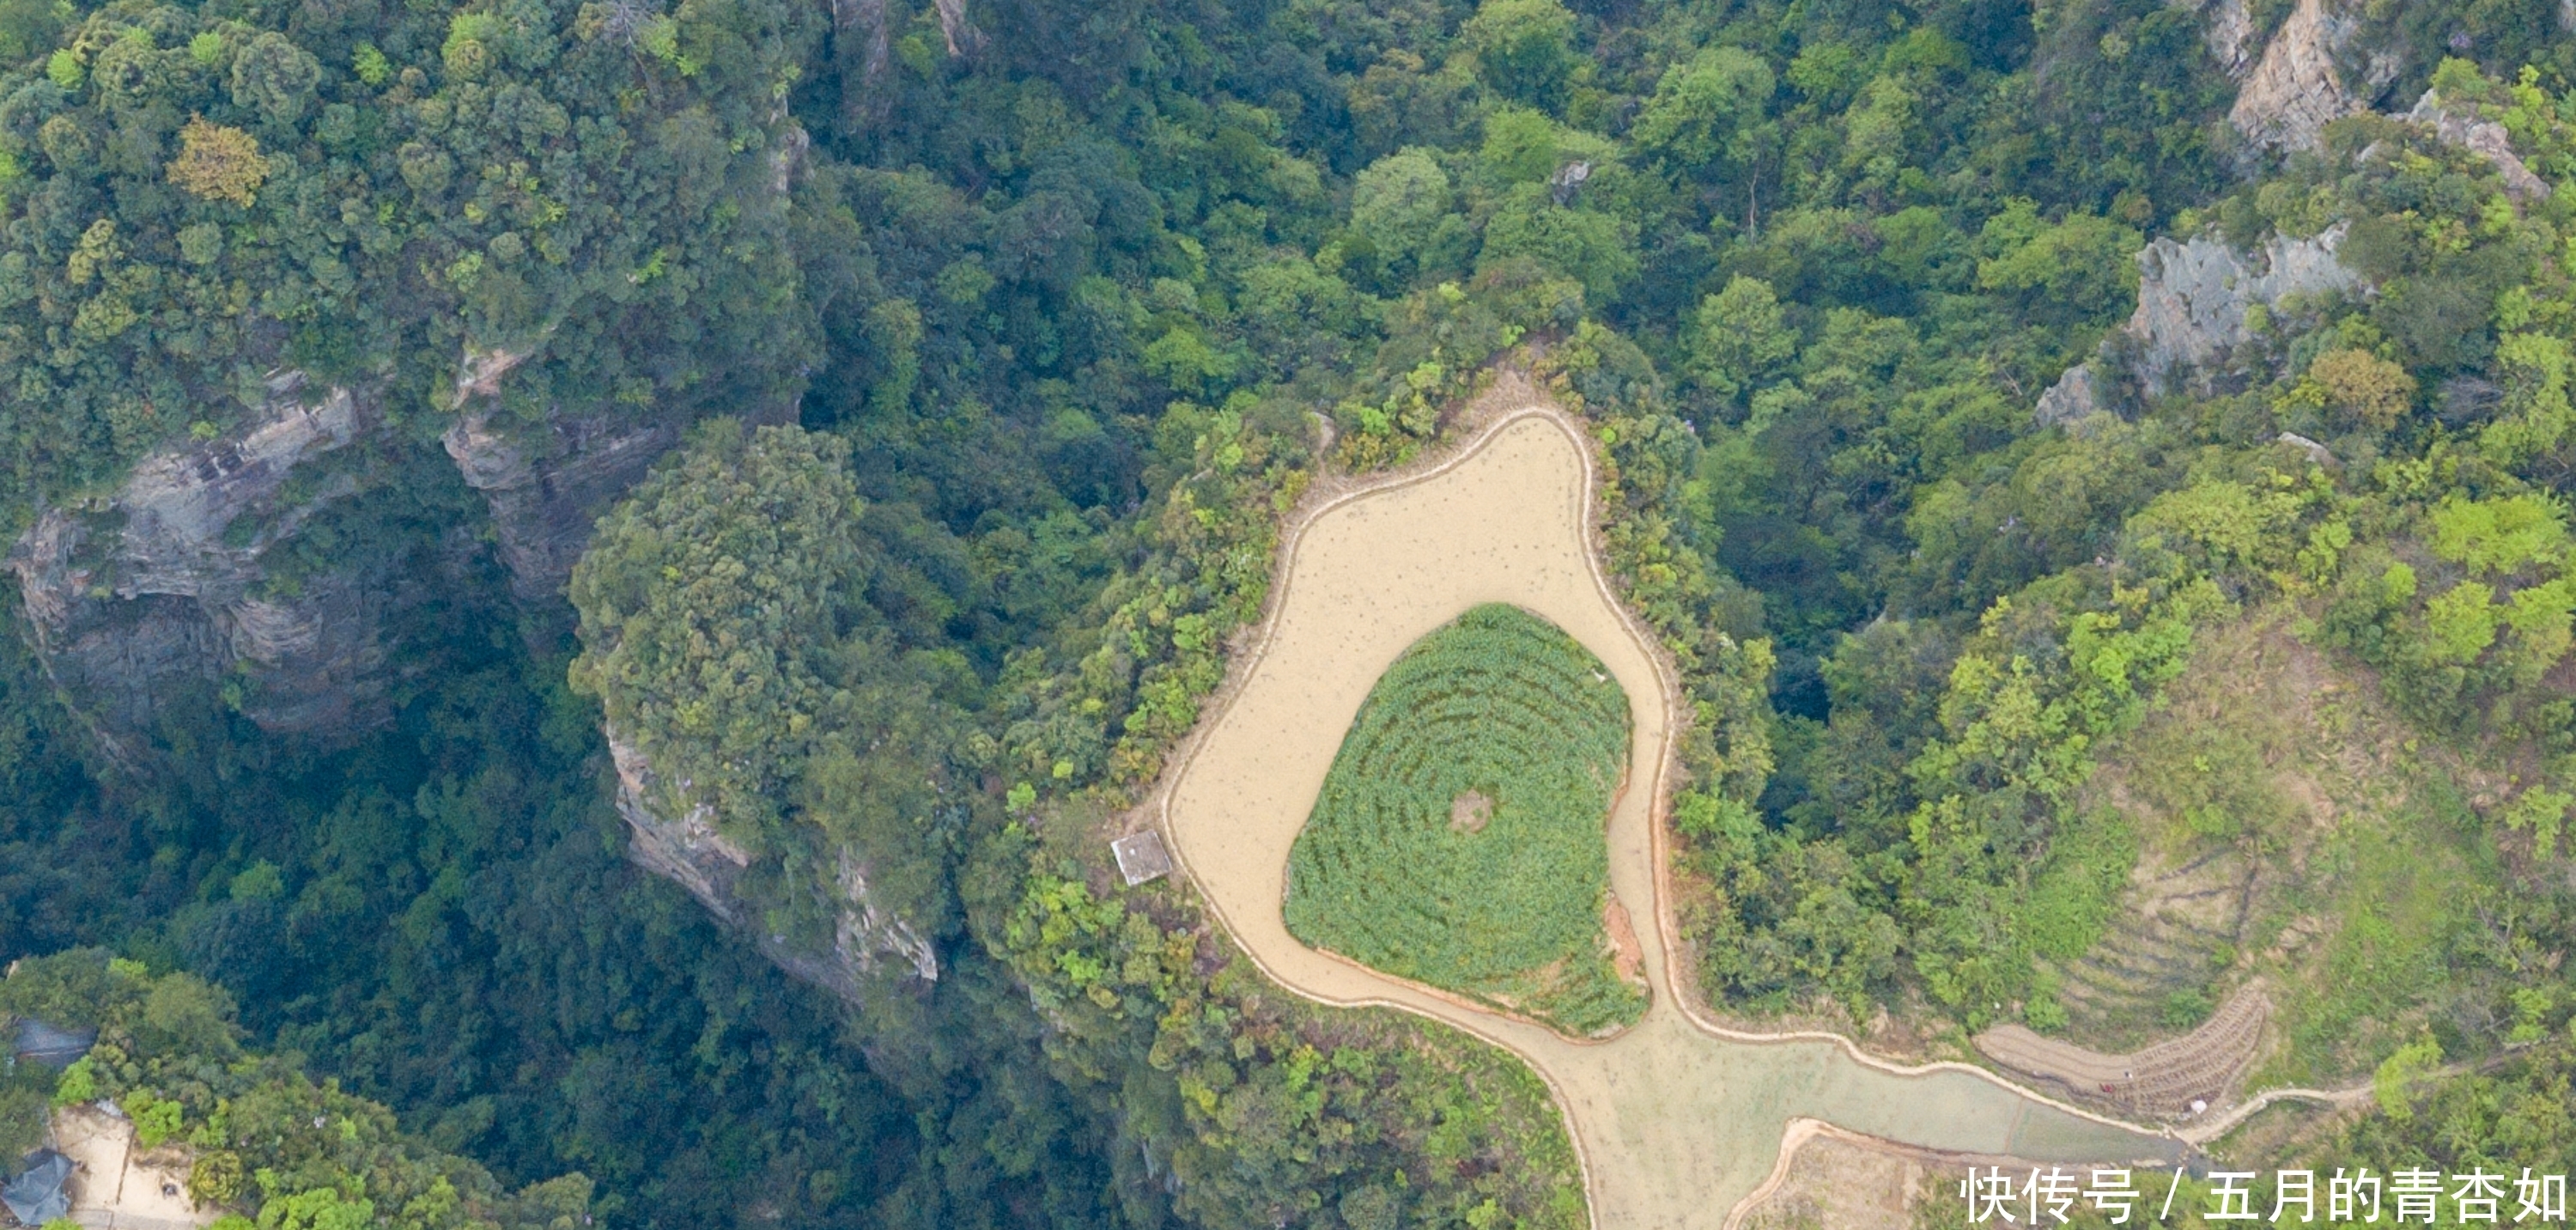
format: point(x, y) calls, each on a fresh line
point(479, 372)
point(867, 18)
point(867, 933)
point(2070, 400)
point(789, 158)
point(130, 599)
point(2193, 297)
point(2316, 452)
point(2295, 89)
point(1568, 180)
point(2230, 33)
point(547, 483)
point(960, 33)
point(548, 487)
point(675, 837)
point(2487, 139)
point(684, 848)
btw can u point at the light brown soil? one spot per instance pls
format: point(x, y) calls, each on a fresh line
point(2157, 1082)
point(117, 1183)
point(1470, 812)
point(1626, 954)
point(1674, 1119)
point(1830, 1179)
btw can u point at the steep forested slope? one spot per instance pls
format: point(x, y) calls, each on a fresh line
point(330, 328)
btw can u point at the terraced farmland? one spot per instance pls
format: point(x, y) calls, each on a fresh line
point(1458, 840)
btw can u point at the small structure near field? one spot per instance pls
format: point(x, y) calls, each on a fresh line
point(1141, 857)
point(36, 1196)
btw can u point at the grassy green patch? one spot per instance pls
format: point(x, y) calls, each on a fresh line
point(1458, 841)
point(2287, 826)
point(2403, 887)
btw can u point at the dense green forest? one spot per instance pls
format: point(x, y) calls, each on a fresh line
point(1056, 297)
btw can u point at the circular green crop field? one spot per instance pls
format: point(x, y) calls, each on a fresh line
point(1459, 840)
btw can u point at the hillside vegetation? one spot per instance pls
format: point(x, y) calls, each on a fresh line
point(2291, 825)
point(1459, 839)
point(260, 1133)
point(1053, 295)
point(1929, 838)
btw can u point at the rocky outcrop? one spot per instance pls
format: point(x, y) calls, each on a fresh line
point(479, 372)
point(2230, 35)
point(2316, 452)
point(687, 849)
point(168, 583)
point(547, 486)
point(2295, 90)
point(2298, 87)
point(867, 934)
point(2194, 297)
point(548, 479)
point(961, 34)
point(2487, 139)
point(2194, 301)
point(2071, 400)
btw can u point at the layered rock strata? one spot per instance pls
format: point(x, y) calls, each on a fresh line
point(166, 584)
point(677, 839)
point(547, 486)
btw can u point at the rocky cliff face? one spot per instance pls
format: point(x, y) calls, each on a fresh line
point(2073, 399)
point(676, 840)
point(2295, 89)
point(2302, 82)
point(2193, 298)
point(684, 848)
point(2486, 138)
point(547, 486)
point(2230, 34)
point(2194, 301)
point(165, 587)
point(547, 483)
point(190, 580)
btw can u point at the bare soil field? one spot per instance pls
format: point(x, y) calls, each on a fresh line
point(1831, 1179)
point(1676, 1120)
point(2154, 1082)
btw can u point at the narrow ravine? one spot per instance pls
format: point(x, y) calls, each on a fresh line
point(1676, 1120)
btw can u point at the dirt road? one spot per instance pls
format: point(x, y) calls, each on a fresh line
point(1675, 1120)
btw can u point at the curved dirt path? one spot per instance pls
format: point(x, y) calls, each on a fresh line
point(2160, 1080)
point(1675, 1120)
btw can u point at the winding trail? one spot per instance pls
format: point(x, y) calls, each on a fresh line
point(1676, 1120)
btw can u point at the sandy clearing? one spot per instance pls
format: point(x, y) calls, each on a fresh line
point(116, 1183)
point(1675, 1120)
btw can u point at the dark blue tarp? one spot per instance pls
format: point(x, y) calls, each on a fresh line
point(36, 1196)
point(52, 1047)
